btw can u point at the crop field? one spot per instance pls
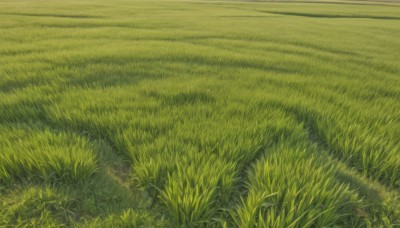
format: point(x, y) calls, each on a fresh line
point(199, 113)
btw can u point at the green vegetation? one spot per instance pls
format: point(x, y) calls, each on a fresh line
point(199, 113)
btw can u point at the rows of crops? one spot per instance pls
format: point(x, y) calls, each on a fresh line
point(199, 113)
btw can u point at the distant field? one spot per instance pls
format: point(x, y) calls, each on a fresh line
point(199, 113)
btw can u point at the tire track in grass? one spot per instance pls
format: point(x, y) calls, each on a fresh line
point(288, 133)
point(310, 117)
point(251, 209)
point(114, 176)
point(107, 185)
point(315, 139)
point(371, 191)
point(380, 198)
point(111, 183)
point(350, 157)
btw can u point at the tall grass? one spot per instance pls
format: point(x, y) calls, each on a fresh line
point(28, 154)
point(199, 114)
point(289, 189)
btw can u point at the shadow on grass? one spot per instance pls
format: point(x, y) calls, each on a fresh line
point(351, 3)
point(77, 16)
point(315, 15)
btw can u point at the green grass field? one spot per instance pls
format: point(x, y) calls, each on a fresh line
point(117, 113)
